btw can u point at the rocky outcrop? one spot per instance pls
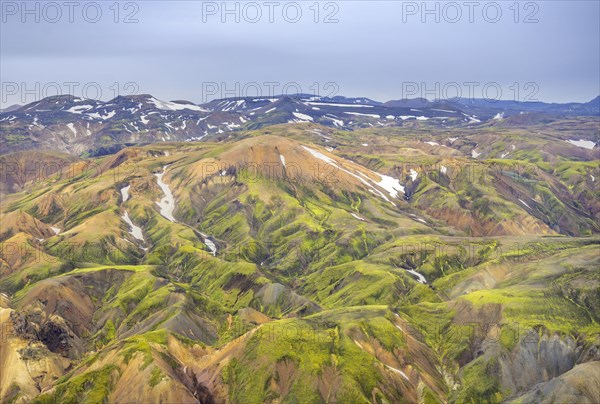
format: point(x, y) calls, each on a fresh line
point(539, 357)
point(579, 385)
point(54, 333)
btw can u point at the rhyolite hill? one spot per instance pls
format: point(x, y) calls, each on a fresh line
point(304, 263)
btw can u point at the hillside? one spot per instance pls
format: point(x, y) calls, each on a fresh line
point(307, 263)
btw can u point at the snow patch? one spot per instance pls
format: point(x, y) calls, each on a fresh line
point(125, 193)
point(413, 174)
point(401, 373)
point(302, 116)
point(336, 122)
point(523, 202)
point(320, 156)
point(333, 104)
point(586, 144)
point(367, 115)
point(173, 106)
point(358, 217)
point(420, 277)
point(472, 119)
point(72, 128)
point(391, 185)
point(210, 244)
point(167, 203)
point(102, 117)
point(79, 108)
point(135, 230)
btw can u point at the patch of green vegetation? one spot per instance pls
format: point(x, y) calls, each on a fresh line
point(141, 344)
point(480, 383)
point(89, 387)
point(155, 377)
point(356, 283)
point(533, 307)
point(107, 334)
point(314, 346)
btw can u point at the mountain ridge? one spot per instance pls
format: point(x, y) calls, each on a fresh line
point(90, 127)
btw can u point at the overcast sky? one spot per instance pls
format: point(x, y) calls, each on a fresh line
point(544, 50)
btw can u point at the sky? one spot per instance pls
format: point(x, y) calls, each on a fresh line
point(198, 50)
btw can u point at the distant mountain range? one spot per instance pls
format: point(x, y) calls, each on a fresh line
point(91, 127)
